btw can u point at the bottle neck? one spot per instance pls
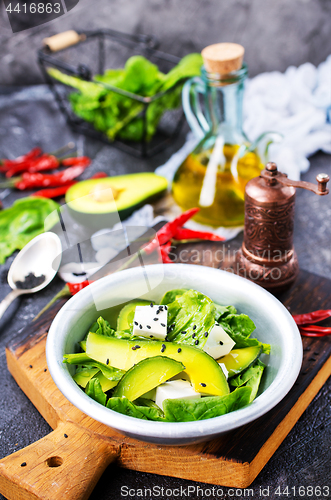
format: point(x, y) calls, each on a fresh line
point(224, 101)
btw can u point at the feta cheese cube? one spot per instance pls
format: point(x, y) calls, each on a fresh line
point(219, 343)
point(175, 389)
point(150, 321)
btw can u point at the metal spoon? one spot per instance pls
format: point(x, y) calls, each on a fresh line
point(41, 256)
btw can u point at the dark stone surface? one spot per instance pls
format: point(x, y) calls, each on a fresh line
point(275, 34)
point(30, 117)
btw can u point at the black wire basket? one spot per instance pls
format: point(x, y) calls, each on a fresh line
point(105, 48)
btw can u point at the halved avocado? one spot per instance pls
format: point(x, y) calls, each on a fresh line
point(204, 372)
point(145, 375)
point(99, 202)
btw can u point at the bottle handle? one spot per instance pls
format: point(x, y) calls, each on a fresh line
point(192, 107)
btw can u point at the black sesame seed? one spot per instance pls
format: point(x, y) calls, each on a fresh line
point(166, 308)
point(183, 332)
point(193, 335)
point(45, 369)
point(149, 327)
point(151, 336)
point(194, 327)
point(163, 348)
point(137, 346)
point(155, 319)
point(206, 334)
point(158, 311)
point(107, 362)
point(136, 323)
point(30, 366)
point(133, 348)
point(202, 384)
point(162, 324)
point(173, 325)
point(179, 350)
point(160, 308)
point(151, 304)
point(221, 343)
point(65, 435)
point(141, 327)
point(196, 342)
point(23, 464)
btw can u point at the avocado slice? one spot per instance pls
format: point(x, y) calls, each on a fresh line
point(239, 359)
point(146, 375)
point(83, 377)
point(205, 374)
point(126, 315)
point(99, 202)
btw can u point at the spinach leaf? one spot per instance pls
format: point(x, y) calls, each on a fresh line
point(105, 329)
point(239, 327)
point(94, 390)
point(183, 410)
point(83, 359)
point(126, 407)
point(24, 220)
point(250, 378)
point(193, 313)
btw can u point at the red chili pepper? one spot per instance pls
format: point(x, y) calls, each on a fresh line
point(76, 160)
point(77, 287)
point(312, 317)
point(183, 233)
point(44, 162)
point(60, 191)
point(53, 192)
point(164, 253)
point(315, 331)
point(29, 181)
point(7, 164)
point(168, 230)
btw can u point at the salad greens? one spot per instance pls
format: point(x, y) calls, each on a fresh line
point(189, 313)
point(24, 220)
point(118, 115)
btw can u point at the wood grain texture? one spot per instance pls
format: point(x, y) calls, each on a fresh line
point(232, 460)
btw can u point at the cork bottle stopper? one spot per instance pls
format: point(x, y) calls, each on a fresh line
point(223, 58)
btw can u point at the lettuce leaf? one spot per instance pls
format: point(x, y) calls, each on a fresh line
point(183, 410)
point(191, 313)
point(239, 327)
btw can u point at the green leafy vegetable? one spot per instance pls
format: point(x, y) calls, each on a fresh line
point(109, 372)
point(239, 327)
point(94, 390)
point(250, 378)
point(191, 313)
point(118, 115)
point(183, 410)
point(126, 407)
point(20, 223)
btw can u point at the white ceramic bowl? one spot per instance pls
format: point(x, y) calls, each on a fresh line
point(274, 325)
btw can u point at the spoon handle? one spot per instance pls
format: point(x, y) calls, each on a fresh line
point(5, 303)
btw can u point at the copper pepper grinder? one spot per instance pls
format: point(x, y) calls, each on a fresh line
point(267, 255)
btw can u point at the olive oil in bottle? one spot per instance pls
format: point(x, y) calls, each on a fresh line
point(214, 175)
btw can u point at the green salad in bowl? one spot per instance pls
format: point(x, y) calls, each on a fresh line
point(184, 359)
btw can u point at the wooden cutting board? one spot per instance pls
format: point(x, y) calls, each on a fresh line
point(66, 464)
